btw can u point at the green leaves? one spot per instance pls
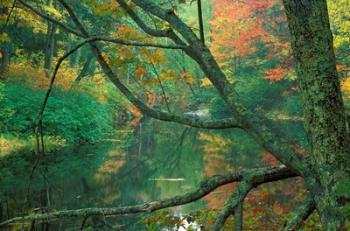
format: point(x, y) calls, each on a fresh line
point(77, 117)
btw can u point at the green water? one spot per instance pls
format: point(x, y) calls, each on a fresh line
point(154, 161)
point(153, 164)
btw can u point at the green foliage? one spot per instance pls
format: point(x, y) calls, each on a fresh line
point(75, 116)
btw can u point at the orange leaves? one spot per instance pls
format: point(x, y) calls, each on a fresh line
point(275, 74)
point(238, 29)
point(155, 57)
point(187, 76)
point(107, 7)
point(128, 33)
point(140, 71)
point(278, 209)
point(136, 114)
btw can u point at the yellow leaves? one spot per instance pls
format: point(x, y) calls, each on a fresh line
point(157, 57)
point(214, 143)
point(105, 57)
point(206, 82)
point(4, 37)
point(102, 99)
point(345, 86)
point(52, 11)
point(166, 76)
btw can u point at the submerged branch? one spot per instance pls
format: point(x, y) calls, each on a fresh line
point(258, 176)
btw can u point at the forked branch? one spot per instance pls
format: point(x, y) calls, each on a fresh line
point(297, 220)
point(258, 176)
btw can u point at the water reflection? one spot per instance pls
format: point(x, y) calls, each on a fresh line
point(156, 160)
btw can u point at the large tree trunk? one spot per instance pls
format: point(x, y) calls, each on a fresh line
point(325, 119)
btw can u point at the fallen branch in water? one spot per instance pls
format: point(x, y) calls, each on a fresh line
point(257, 176)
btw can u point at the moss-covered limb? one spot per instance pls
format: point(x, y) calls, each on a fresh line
point(169, 33)
point(232, 204)
point(201, 54)
point(183, 119)
point(238, 214)
point(258, 176)
point(297, 219)
point(255, 125)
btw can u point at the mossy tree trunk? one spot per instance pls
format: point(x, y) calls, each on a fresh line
point(325, 119)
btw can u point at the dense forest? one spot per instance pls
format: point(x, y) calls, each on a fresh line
point(174, 115)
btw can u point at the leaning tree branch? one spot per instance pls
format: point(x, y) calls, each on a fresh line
point(232, 204)
point(169, 33)
point(137, 44)
point(297, 220)
point(258, 176)
point(255, 125)
point(160, 115)
point(200, 20)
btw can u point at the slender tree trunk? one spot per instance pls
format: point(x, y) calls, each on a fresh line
point(85, 71)
point(50, 42)
point(4, 60)
point(325, 118)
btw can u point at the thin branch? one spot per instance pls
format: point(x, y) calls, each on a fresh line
point(200, 20)
point(160, 115)
point(258, 176)
point(182, 119)
point(161, 86)
point(49, 18)
point(169, 33)
point(137, 44)
point(168, 16)
point(9, 16)
point(257, 126)
point(238, 214)
point(297, 220)
point(83, 222)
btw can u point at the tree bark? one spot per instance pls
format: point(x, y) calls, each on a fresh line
point(325, 118)
point(50, 42)
point(4, 60)
point(85, 71)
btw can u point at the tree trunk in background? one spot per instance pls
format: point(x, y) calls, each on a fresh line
point(4, 60)
point(325, 119)
point(85, 71)
point(50, 42)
